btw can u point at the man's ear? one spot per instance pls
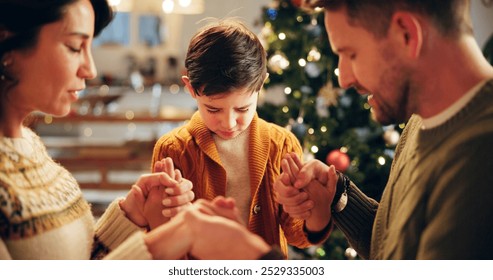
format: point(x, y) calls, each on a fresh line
point(409, 31)
point(188, 85)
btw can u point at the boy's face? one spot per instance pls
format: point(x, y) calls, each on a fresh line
point(228, 114)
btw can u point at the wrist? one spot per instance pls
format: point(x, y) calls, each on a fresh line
point(169, 241)
point(315, 237)
point(122, 203)
point(314, 226)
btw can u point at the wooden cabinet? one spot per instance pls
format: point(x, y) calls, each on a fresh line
point(110, 163)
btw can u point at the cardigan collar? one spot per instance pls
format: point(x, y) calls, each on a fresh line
point(259, 149)
point(259, 144)
point(203, 137)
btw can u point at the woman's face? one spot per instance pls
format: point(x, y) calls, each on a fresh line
point(52, 72)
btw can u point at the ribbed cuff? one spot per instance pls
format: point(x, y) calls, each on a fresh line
point(356, 220)
point(113, 227)
point(316, 238)
point(134, 248)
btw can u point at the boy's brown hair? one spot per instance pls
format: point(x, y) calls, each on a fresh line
point(225, 56)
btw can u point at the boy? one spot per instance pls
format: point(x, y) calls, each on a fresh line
point(226, 149)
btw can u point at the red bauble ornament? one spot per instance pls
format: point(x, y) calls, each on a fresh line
point(297, 3)
point(339, 160)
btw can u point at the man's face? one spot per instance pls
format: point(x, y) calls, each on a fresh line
point(371, 65)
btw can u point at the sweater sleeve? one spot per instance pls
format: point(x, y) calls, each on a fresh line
point(4, 251)
point(133, 248)
point(112, 229)
point(356, 220)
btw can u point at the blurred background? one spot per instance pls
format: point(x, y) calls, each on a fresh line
point(107, 139)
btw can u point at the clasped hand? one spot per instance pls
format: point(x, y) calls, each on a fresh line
point(306, 191)
point(157, 197)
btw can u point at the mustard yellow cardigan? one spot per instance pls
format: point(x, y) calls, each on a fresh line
point(194, 153)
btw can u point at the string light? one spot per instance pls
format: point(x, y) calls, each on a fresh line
point(114, 2)
point(313, 55)
point(131, 127)
point(287, 90)
point(321, 252)
point(183, 6)
point(48, 119)
point(278, 62)
point(174, 88)
point(381, 160)
point(168, 6)
point(272, 13)
point(87, 132)
point(314, 149)
point(185, 3)
point(129, 115)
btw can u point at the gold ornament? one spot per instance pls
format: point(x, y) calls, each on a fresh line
point(330, 94)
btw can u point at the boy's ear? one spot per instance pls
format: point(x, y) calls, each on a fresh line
point(265, 79)
point(188, 85)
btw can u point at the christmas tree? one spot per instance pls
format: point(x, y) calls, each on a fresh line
point(488, 49)
point(333, 125)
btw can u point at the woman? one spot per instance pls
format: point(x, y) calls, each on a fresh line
point(45, 55)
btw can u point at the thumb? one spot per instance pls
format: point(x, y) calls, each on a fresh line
point(138, 194)
point(148, 181)
point(332, 181)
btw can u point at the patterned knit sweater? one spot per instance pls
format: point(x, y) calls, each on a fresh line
point(195, 153)
point(44, 216)
point(437, 202)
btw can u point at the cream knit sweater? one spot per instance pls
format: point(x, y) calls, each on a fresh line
point(44, 216)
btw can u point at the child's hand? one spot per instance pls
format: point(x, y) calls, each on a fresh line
point(165, 203)
point(144, 201)
point(165, 165)
point(295, 201)
point(317, 181)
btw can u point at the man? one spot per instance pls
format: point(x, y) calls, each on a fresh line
point(418, 62)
